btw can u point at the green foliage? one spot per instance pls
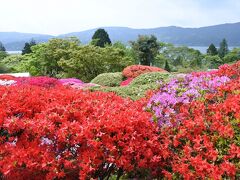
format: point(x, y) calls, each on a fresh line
point(45, 57)
point(101, 38)
point(138, 87)
point(14, 63)
point(86, 62)
point(149, 78)
point(223, 49)
point(27, 47)
point(2, 48)
point(167, 67)
point(212, 50)
point(212, 62)
point(232, 56)
point(127, 50)
point(132, 92)
point(67, 58)
point(3, 68)
point(108, 79)
point(3, 54)
point(146, 49)
point(180, 57)
point(160, 60)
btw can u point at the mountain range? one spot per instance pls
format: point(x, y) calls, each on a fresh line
point(202, 36)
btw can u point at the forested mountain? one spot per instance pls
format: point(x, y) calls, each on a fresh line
point(202, 36)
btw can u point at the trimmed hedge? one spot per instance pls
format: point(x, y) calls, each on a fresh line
point(108, 79)
point(151, 77)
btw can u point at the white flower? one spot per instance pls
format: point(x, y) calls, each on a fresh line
point(7, 82)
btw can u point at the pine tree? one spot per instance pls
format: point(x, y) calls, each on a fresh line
point(27, 47)
point(101, 38)
point(167, 67)
point(2, 48)
point(212, 50)
point(223, 49)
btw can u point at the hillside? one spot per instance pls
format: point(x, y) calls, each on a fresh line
point(15, 41)
point(202, 36)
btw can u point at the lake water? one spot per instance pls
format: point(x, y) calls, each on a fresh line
point(14, 52)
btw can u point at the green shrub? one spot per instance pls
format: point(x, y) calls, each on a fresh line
point(138, 87)
point(108, 79)
point(132, 92)
point(3, 68)
point(148, 78)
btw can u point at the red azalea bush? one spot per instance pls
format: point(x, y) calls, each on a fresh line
point(136, 70)
point(7, 77)
point(64, 133)
point(54, 133)
point(126, 82)
point(232, 71)
point(42, 81)
point(206, 143)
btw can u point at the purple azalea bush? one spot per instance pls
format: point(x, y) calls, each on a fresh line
point(166, 102)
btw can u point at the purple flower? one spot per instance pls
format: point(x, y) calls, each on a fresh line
point(166, 102)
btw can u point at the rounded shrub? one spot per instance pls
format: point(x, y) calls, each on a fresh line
point(151, 77)
point(132, 92)
point(136, 70)
point(108, 79)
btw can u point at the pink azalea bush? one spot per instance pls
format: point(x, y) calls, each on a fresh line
point(38, 81)
point(70, 81)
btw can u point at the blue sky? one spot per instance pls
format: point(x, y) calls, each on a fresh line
point(64, 16)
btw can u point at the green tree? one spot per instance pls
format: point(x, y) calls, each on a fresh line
point(167, 67)
point(2, 48)
point(159, 61)
point(45, 57)
point(212, 62)
point(27, 47)
point(146, 49)
point(232, 56)
point(15, 63)
point(3, 52)
point(127, 50)
point(212, 50)
point(223, 49)
point(182, 57)
point(101, 38)
point(3, 68)
point(178, 61)
point(89, 61)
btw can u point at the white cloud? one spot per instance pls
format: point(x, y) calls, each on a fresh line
point(63, 16)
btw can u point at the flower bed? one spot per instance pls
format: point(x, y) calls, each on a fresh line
point(61, 132)
point(51, 131)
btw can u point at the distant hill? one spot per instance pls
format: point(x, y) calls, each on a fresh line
point(14, 41)
point(202, 36)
